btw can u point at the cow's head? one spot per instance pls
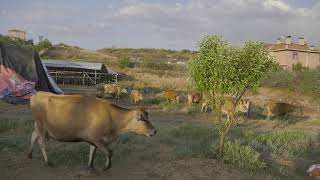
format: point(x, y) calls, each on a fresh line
point(140, 97)
point(244, 105)
point(141, 123)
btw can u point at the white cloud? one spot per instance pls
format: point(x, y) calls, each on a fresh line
point(238, 20)
point(276, 4)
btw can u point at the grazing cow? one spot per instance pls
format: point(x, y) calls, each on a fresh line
point(282, 108)
point(113, 90)
point(135, 96)
point(171, 96)
point(194, 97)
point(75, 118)
point(243, 105)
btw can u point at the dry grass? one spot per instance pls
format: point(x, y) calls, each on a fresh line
point(161, 82)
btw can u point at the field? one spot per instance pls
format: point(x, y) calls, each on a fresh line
point(182, 149)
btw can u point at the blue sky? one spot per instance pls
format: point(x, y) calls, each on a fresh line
point(161, 24)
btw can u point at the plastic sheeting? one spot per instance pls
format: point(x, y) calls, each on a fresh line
point(22, 73)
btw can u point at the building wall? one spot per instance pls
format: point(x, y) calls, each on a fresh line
point(314, 60)
point(284, 58)
point(302, 58)
point(288, 58)
point(17, 34)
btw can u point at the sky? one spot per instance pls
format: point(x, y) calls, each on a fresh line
point(168, 24)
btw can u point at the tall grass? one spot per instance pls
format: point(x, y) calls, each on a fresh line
point(306, 81)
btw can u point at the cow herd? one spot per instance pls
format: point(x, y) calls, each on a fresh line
point(98, 121)
point(271, 108)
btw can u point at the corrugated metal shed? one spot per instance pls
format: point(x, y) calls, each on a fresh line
point(76, 65)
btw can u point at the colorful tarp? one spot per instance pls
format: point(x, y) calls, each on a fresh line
point(22, 73)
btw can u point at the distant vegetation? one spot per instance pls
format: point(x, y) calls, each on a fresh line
point(148, 54)
point(40, 46)
point(302, 80)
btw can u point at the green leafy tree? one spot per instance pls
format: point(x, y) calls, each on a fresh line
point(42, 45)
point(222, 70)
point(125, 63)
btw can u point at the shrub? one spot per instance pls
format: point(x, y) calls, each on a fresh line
point(305, 81)
point(156, 65)
point(284, 144)
point(308, 82)
point(243, 156)
point(44, 44)
point(193, 109)
point(279, 79)
point(125, 63)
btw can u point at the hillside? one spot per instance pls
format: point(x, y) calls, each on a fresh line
point(62, 51)
point(148, 54)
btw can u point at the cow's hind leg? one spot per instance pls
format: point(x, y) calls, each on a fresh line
point(93, 150)
point(41, 141)
point(104, 148)
point(34, 138)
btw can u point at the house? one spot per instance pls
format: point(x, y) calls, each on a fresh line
point(288, 53)
point(17, 34)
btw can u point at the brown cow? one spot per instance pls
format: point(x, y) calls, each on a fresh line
point(243, 105)
point(113, 90)
point(74, 118)
point(135, 96)
point(171, 96)
point(282, 108)
point(194, 97)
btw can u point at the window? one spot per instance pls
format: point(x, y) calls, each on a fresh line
point(295, 55)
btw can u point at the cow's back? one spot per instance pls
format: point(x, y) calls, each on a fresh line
point(66, 118)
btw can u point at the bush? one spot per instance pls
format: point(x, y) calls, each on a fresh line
point(42, 45)
point(279, 79)
point(156, 65)
point(284, 144)
point(125, 63)
point(303, 81)
point(243, 156)
point(193, 109)
point(308, 82)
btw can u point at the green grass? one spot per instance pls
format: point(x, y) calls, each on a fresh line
point(168, 106)
point(243, 156)
point(194, 109)
point(190, 141)
point(151, 101)
point(283, 144)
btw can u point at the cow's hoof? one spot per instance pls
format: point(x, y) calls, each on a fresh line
point(29, 155)
point(48, 164)
point(106, 168)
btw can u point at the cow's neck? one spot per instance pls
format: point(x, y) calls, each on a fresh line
point(122, 122)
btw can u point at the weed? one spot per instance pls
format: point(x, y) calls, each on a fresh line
point(243, 156)
point(284, 144)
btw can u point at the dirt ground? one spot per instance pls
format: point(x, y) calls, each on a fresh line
point(15, 166)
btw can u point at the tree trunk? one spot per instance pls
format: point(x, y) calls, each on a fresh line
point(221, 143)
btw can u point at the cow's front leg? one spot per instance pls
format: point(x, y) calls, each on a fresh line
point(108, 152)
point(93, 150)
